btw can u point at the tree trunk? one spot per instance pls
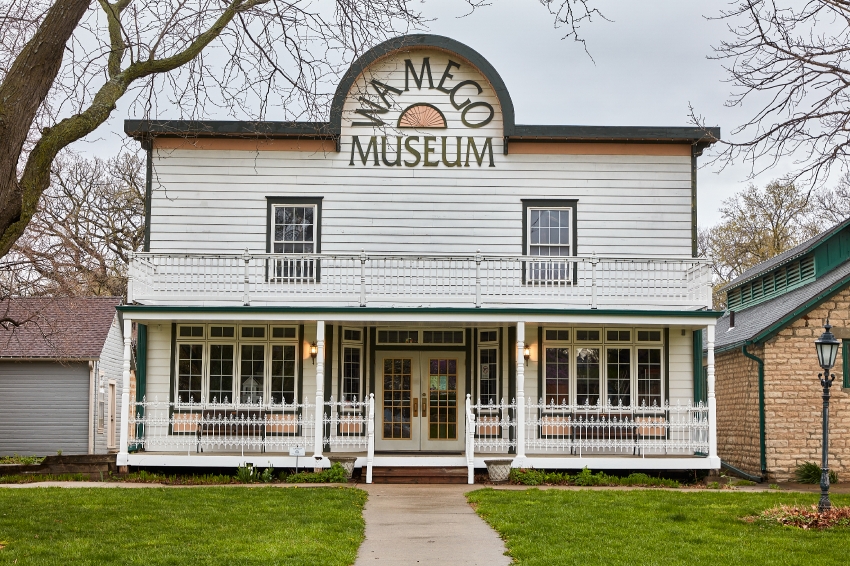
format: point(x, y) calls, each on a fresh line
point(21, 94)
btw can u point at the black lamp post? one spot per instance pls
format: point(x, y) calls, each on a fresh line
point(827, 348)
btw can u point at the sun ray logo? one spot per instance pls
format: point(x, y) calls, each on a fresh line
point(422, 115)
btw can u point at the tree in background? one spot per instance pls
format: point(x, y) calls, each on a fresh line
point(790, 61)
point(86, 225)
point(757, 224)
point(65, 64)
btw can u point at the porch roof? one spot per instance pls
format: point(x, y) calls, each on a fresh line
point(425, 314)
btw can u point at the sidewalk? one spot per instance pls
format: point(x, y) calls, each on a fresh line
point(426, 524)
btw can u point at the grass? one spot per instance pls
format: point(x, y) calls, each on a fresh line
point(554, 527)
point(164, 526)
point(26, 460)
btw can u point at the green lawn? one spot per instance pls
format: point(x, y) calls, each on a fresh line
point(552, 527)
point(194, 526)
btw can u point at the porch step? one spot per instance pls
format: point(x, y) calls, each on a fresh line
point(419, 474)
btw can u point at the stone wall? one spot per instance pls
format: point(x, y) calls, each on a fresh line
point(793, 401)
point(736, 390)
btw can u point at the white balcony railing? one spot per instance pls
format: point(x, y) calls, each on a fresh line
point(408, 280)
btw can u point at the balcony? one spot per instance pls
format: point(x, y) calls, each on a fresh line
point(360, 280)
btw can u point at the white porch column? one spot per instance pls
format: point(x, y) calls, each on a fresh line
point(712, 401)
point(123, 454)
point(520, 390)
point(320, 388)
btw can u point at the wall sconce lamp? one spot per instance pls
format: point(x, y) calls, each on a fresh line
point(314, 350)
point(526, 353)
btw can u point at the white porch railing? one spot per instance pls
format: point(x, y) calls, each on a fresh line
point(262, 427)
point(386, 280)
point(577, 430)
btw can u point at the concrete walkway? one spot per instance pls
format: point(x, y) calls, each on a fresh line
point(426, 524)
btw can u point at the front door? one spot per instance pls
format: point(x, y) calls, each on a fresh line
point(420, 401)
point(110, 427)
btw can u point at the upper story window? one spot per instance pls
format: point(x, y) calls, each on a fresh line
point(294, 229)
point(294, 226)
point(549, 231)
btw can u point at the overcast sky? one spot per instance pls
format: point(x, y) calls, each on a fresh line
point(649, 63)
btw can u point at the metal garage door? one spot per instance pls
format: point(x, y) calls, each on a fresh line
point(44, 407)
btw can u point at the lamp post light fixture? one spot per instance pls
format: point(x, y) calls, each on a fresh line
point(827, 349)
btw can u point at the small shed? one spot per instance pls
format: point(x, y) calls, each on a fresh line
point(60, 375)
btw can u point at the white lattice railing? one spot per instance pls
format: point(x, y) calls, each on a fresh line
point(221, 427)
point(616, 429)
point(459, 280)
point(494, 426)
point(347, 424)
point(680, 429)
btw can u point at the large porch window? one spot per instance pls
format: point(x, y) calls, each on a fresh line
point(218, 365)
point(612, 366)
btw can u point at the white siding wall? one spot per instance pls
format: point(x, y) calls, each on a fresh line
point(215, 200)
point(112, 364)
point(681, 366)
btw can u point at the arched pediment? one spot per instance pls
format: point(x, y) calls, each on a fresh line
point(417, 71)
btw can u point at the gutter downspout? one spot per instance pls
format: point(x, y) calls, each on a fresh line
point(762, 444)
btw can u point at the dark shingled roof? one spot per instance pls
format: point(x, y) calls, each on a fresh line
point(56, 328)
point(759, 322)
point(785, 256)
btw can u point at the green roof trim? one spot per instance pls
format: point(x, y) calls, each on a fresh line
point(435, 310)
point(782, 279)
point(830, 248)
point(776, 327)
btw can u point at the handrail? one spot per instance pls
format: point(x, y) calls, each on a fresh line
point(362, 279)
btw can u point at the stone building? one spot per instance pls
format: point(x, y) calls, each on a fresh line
point(768, 395)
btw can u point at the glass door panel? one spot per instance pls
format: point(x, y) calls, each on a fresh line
point(420, 401)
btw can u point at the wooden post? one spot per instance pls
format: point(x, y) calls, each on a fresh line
point(520, 390)
point(320, 389)
point(370, 447)
point(123, 448)
point(712, 401)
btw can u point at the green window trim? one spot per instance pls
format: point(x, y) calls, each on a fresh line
point(845, 363)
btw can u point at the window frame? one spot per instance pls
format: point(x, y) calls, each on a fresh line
point(237, 342)
point(549, 204)
point(353, 344)
point(488, 345)
point(603, 345)
point(271, 203)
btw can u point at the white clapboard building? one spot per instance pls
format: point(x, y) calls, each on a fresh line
point(420, 282)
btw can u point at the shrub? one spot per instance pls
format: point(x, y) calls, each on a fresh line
point(245, 474)
point(334, 474)
point(809, 472)
point(585, 478)
point(268, 475)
